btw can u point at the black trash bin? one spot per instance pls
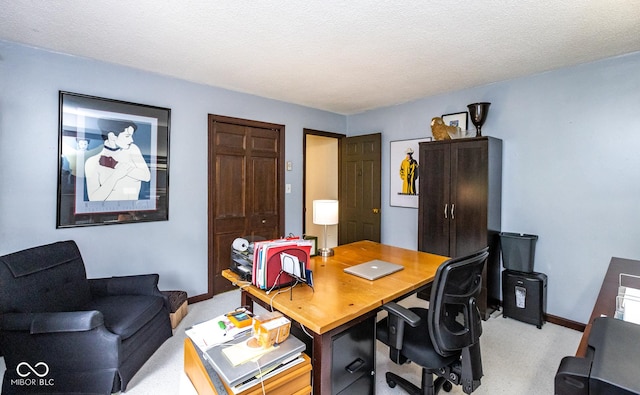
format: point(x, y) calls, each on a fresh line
point(518, 251)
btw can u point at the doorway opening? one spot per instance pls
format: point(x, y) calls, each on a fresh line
point(321, 179)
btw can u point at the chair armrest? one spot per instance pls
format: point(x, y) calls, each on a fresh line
point(398, 316)
point(38, 323)
point(403, 313)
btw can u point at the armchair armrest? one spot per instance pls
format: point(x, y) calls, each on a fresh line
point(70, 342)
point(398, 316)
point(38, 323)
point(142, 284)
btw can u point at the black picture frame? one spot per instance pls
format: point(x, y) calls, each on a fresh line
point(459, 119)
point(314, 242)
point(113, 161)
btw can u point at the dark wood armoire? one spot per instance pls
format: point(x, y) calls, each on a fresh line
point(460, 188)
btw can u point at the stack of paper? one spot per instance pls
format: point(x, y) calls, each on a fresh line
point(211, 333)
point(628, 304)
point(261, 365)
point(267, 264)
point(245, 351)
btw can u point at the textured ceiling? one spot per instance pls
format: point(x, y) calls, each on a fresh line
point(342, 56)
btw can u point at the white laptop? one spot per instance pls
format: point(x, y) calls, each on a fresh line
point(373, 270)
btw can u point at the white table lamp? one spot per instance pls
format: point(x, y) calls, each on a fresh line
point(325, 212)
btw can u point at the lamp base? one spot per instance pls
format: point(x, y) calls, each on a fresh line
point(325, 252)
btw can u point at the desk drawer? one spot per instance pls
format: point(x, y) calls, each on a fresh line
point(364, 385)
point(353, 353)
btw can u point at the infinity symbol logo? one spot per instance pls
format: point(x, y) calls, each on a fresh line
point(31, 369)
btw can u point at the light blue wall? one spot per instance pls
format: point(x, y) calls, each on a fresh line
point(176, 249)
point(571, 168)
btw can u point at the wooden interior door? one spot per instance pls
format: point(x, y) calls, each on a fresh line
point(246, 188)
point(360, 189)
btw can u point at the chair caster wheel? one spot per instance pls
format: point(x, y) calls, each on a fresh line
point(447, 386)
point(391, 383)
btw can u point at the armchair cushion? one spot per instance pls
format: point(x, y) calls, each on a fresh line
point(55, 277)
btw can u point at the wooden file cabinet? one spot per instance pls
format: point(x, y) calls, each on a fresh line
point(294, 381)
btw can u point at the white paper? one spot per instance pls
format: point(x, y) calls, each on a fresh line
point(209, 333)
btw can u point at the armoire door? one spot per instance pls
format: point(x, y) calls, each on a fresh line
point(468, 197)
point(246, 176)
point(434, 199)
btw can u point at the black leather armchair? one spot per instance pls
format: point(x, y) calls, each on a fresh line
point(61, 332)
point(444, 339)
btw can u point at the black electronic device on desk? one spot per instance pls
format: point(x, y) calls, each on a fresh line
point(242, 256)
point(610, 366)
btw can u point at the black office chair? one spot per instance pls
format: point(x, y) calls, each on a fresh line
point(444, 339)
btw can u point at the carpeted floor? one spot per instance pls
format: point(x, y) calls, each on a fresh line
point(517, 358)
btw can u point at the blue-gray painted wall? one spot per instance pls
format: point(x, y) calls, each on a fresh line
point(176, 249)
point(571, 169)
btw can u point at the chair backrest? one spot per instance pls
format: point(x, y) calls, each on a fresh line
point(47, 278)
point(454, 320)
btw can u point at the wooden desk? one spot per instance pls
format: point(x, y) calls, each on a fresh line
point(606, 301)
point(339, 300)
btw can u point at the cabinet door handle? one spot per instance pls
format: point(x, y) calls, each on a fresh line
point(453, 210)
point(446, 207)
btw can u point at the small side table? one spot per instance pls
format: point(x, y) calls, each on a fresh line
point(179, 306)
point(294, 381)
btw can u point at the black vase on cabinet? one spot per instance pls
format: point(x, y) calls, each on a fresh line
point(459, 205)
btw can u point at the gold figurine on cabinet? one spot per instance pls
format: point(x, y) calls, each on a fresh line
point(440, 131)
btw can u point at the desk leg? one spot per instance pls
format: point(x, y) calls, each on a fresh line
point(322, 363)
point(247, 301)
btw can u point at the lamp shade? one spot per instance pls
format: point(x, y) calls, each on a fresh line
point(325, 212)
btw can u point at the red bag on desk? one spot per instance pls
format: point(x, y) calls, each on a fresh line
point(267, 264)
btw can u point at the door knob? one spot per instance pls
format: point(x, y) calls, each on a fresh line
point(376, 210)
